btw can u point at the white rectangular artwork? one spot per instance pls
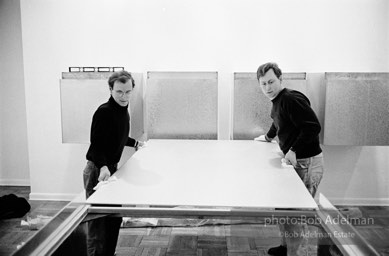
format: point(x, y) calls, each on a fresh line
point(356, 109)
point(82, 94)
point(251, 113)
point(181, 105)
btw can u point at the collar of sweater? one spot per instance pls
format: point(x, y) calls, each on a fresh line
point(279, 95)
point(114, 104)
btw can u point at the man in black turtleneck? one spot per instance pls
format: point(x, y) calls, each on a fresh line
point(109, 135)
point(297, 128)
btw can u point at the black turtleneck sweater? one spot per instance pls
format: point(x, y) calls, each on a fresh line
point(109, 134)
point(295, 124)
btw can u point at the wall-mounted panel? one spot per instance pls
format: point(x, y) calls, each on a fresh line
point(83, 93)
point(181, 105)
point(251, 114)
point(357, 109)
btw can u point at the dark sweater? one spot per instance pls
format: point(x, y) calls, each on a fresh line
point(295, 124)
point(109, 134)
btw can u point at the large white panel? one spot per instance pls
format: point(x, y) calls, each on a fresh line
point(357, 109)
point(181, 105)
point(81, 97)
point(211, 173)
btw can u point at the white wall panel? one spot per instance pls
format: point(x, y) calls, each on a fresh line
point(357, 109)
point(252, 108)
point(81, 97)
point(181, 105)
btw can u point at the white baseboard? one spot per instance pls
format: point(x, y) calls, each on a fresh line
point(360, 201)
point(52, 196)
point(14, 182)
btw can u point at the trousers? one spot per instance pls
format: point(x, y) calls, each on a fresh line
point(310, 170)
point(103, 232)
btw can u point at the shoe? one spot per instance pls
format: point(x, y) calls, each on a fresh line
point(278, 251)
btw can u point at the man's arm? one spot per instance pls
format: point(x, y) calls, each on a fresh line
point(99, 132)
point(269, 136)
point(137, 144)
point(99, 137)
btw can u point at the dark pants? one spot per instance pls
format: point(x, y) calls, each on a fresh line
point(103, 232)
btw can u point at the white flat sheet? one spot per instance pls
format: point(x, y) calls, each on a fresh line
point(221, 173)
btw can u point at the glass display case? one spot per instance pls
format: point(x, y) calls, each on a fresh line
point(333, 232)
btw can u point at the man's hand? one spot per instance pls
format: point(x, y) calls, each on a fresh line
point(261, 138)
point(291, 157)
point(104, 173)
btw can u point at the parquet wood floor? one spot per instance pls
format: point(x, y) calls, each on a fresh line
point(12, 234)
point(231, 240)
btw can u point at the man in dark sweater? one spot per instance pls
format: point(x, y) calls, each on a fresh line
point(297, 128)
point(109, 135)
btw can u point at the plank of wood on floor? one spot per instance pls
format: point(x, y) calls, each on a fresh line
point(151, 252)
point(158, 231)
point(207, 241)
point(265, 242)
point(129, 240)
point(240, 231)
point(236, 243)
point(183, 243)
point(135, 231)
point(267, 230)
point(185, 231)
point(212, 252)
point(125, 251)
point(243, 253)
point(212, 230)
point(155, 241)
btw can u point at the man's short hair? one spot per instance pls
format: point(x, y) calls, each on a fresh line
point(262, 70)
point(121, 76)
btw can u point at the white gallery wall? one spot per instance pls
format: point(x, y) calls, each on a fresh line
point(181, 35)
point(14, 158)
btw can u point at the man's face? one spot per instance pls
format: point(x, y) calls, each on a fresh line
point(270, 84)
point(121, 92)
